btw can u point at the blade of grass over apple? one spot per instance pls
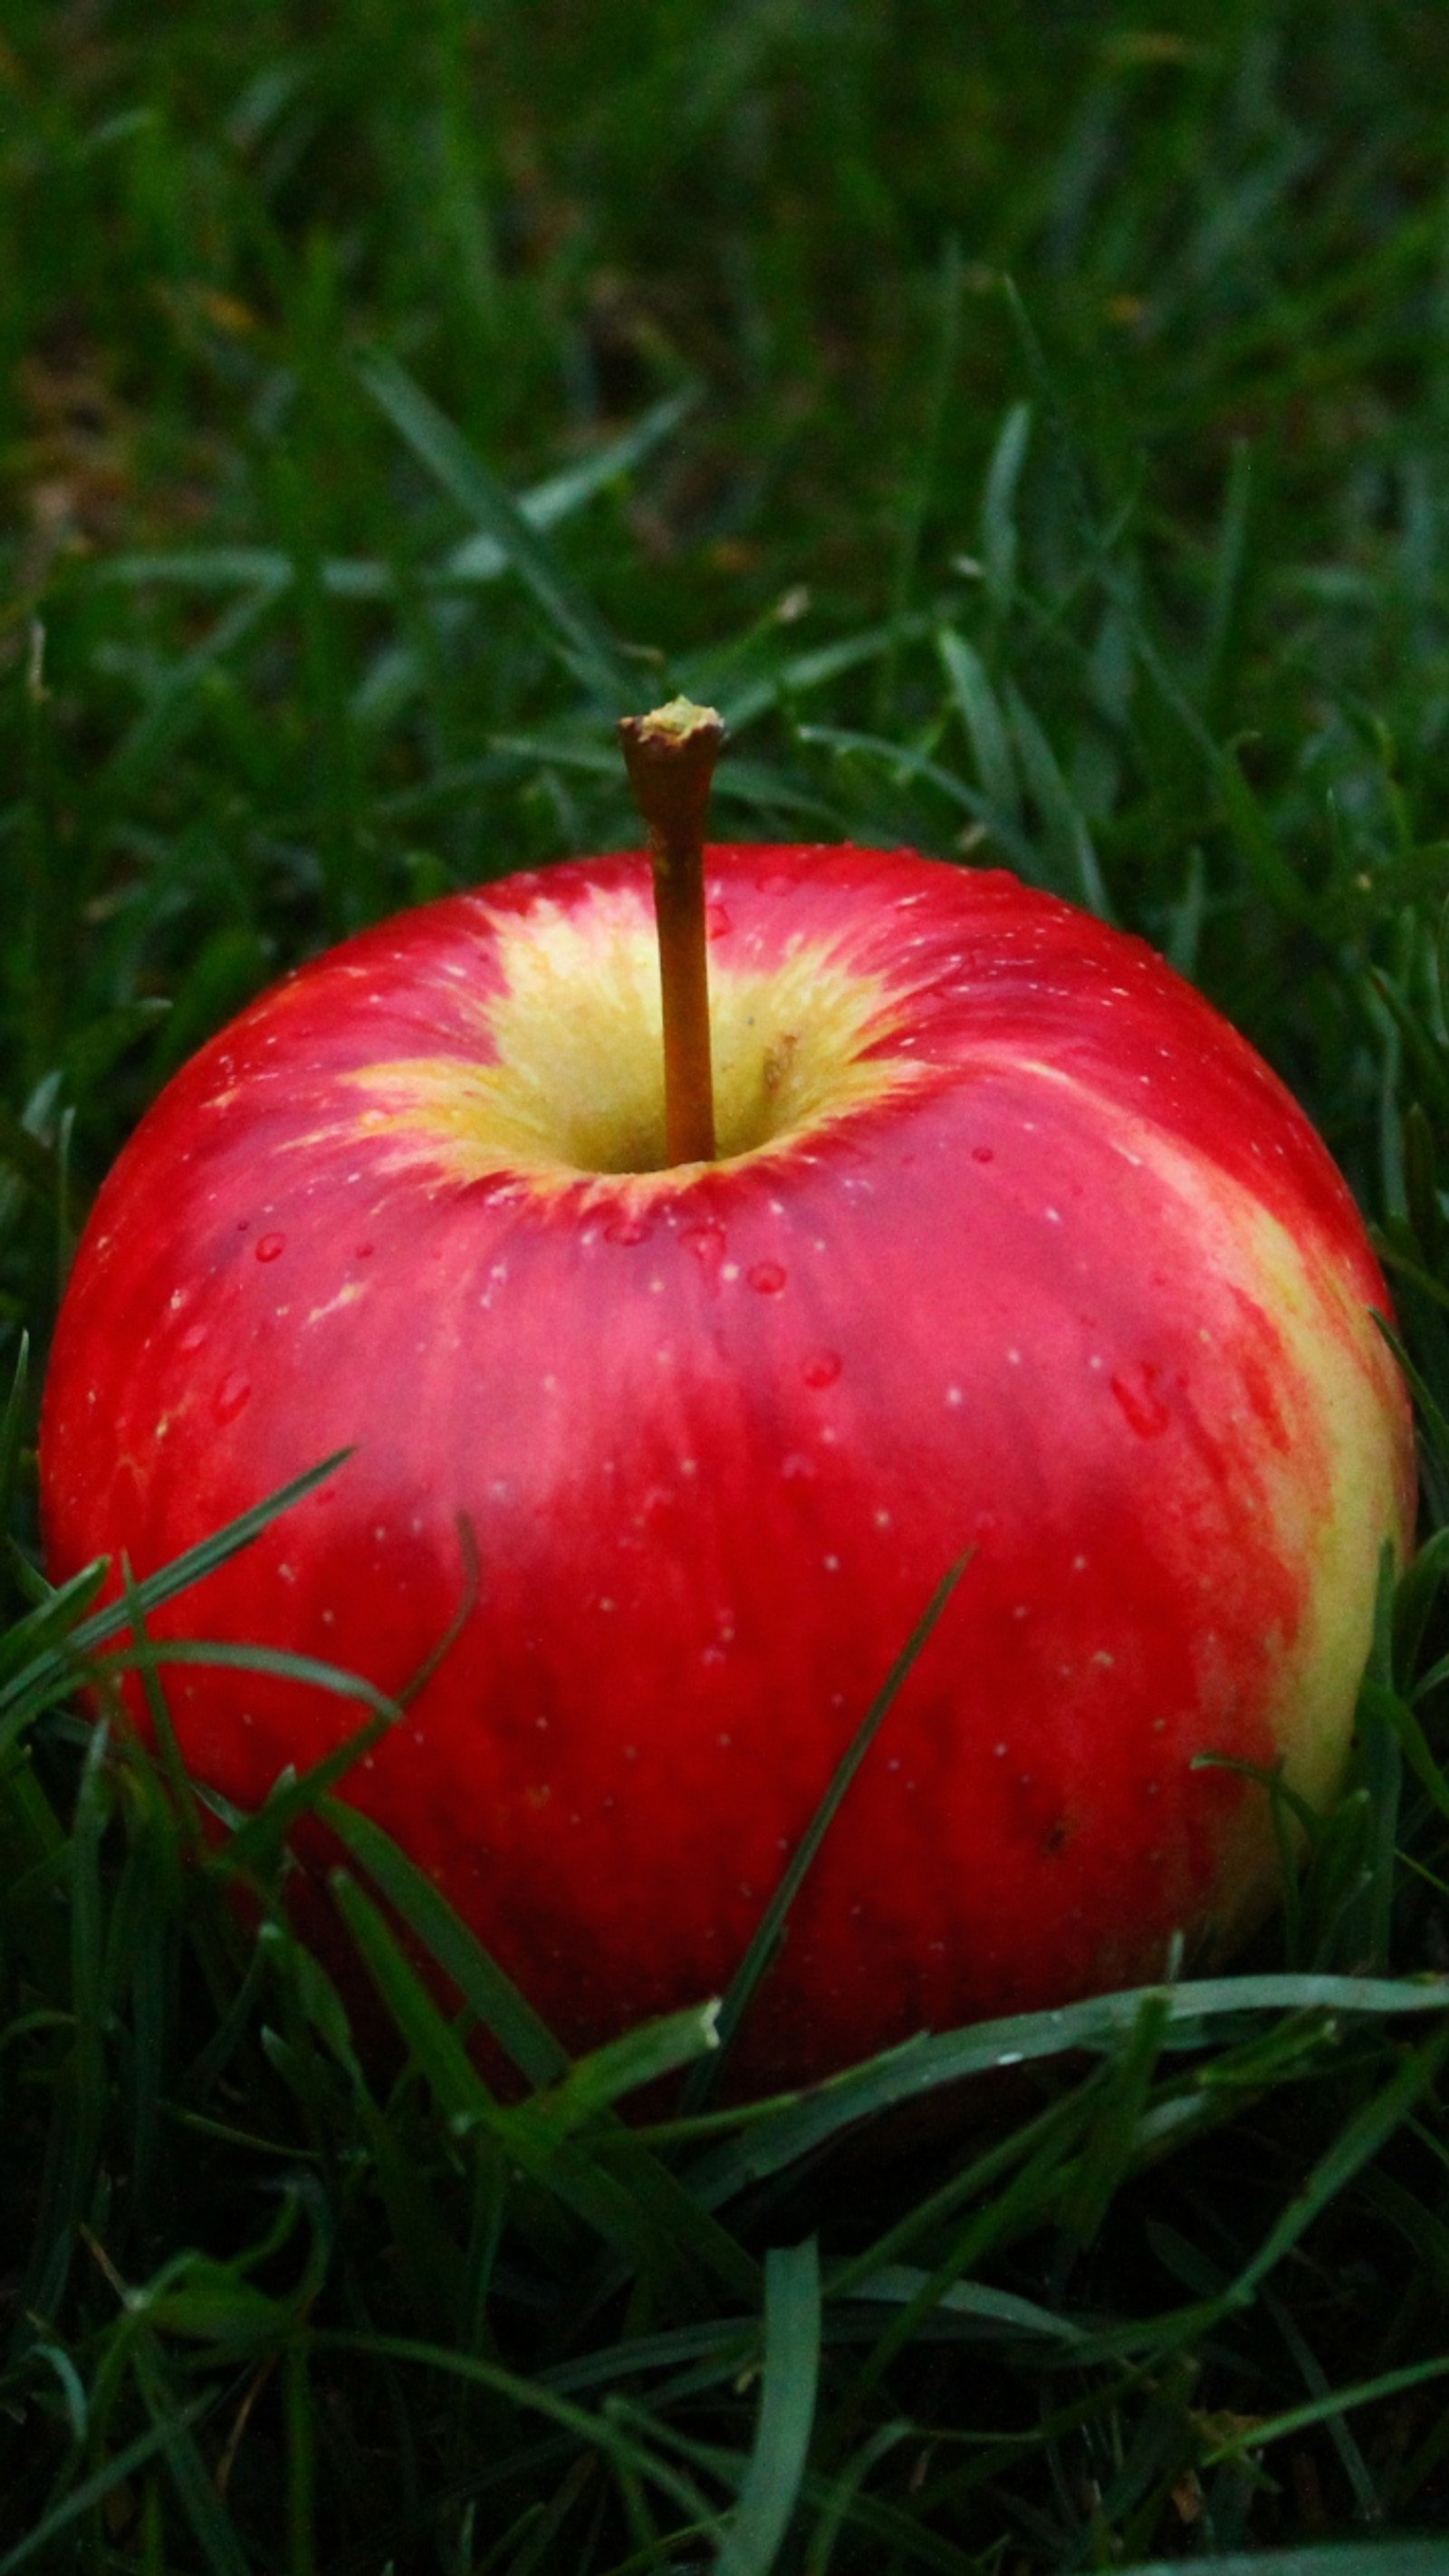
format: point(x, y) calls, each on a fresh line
point(630, 2201)
point(294, 1795)
point(223, 1652)
point(605, 2205)
point(49, 1672)
point(169, 1580)
point(37, 1641)
point(499, 2007)
point(1197, 2016)
point(770, 1930)
point(253, 1841)
point(607, 2075)
point(263, 1833)
point(493, 1998)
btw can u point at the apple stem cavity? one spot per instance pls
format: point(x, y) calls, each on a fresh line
point(670, 757)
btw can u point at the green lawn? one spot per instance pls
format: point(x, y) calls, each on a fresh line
point(1031, 427)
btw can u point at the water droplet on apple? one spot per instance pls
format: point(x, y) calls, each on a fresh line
point(798, 1468)
point(776, 881)
point(233, 1392)
point(822, 1369)
point(625, 1228)
point(192, 1338)
point(708, 1243)
point(716, 921)
point(270, 1247)
point(767, 1276)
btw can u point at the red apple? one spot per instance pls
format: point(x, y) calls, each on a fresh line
point(1012, 1247)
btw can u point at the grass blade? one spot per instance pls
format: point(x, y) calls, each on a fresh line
point(1195, 2016)
point(489, 1995)
point(1355, 2146)
point(110, 2480)
point(791, 2374)
point(771, 1926)
point(453, 464)
point(44, 1674)
point(985, 724)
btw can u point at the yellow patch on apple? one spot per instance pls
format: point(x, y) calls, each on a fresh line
point(567, 1079)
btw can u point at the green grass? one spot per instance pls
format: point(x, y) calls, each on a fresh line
point(1030, 427)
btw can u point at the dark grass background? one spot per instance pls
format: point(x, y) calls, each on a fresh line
point(1031, 426)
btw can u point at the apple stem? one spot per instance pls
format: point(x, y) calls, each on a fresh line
point(670, 756)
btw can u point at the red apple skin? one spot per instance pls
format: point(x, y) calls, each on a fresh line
point(1058, 1275)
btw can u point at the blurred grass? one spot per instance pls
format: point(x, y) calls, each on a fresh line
point(1032, 433)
